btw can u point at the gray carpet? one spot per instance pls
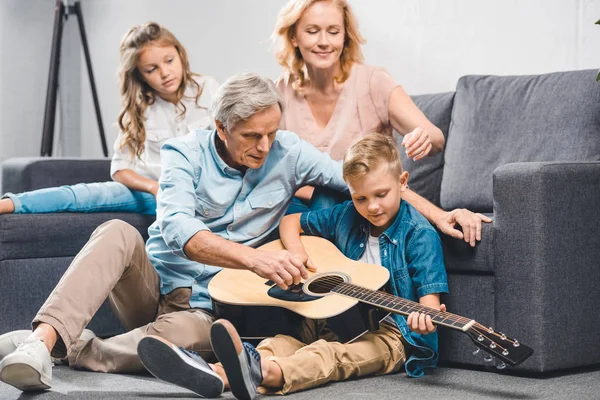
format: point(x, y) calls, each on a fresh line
point(444, 383)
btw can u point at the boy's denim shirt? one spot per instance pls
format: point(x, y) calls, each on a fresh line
point(410, 249)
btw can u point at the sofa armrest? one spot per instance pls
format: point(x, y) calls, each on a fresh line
point(31, 173)
point(547, 259)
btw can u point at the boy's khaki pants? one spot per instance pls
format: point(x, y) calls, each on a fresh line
point(114, 265)
point(324, 360)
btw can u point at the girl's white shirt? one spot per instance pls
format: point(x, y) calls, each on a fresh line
point(162, 122)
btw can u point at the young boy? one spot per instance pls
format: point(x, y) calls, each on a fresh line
point(376, 227)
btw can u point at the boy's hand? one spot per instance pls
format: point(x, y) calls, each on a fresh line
point(469, 221)
point(421, 323)
point(305, 260)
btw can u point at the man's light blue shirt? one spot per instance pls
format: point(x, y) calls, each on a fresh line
point(199, 191)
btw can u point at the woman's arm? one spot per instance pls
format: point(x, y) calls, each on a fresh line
point(446, 221)
point(421, 137)
point(135, 181)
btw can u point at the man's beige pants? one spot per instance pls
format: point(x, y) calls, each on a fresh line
point(114, 265)
point(317, 358)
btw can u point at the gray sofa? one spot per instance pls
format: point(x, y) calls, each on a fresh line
point(524, 150)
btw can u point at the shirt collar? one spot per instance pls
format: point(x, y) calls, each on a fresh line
point(390, 232)
point(225, 169)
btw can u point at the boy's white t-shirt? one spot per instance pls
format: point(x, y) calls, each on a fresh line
point(371, 255)
point(162, 123)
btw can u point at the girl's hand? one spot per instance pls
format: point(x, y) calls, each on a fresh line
point(421, 323)
point(417, 143)
point(153, 188)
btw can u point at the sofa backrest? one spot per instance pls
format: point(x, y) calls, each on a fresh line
point(498, 120)
point(425, 176)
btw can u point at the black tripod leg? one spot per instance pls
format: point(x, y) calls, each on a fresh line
point(88, 61)
point(52, 91)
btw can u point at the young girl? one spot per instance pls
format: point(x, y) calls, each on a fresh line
point(333, 99)
point(161, 98)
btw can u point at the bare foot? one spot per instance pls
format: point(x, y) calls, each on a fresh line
point(6, 206)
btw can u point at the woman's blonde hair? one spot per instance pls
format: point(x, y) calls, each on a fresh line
point(368, 154)
point(290, 58)
point(136, 94)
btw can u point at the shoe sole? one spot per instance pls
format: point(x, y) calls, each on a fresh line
point(168, 364)
point(224, 349)
point(24, 377)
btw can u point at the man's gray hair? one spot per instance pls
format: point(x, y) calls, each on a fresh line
point(242, 96)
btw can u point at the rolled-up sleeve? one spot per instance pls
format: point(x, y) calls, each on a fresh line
point(314, 167)
point(122, 157)
point(176, 204)
point(426, 262)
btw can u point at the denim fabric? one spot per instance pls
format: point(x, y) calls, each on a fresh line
point(323, 197)
point(84, 197)
point(199, 191)
point(410, 249)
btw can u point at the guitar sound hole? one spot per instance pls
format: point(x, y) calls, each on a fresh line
point(325, 284)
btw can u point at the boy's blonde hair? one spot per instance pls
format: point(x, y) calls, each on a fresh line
point(368, 154)
point(290, 58)
point(136, 94)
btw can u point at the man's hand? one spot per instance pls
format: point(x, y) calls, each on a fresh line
point(279, 266)
point(421, 323)
point(469, 221)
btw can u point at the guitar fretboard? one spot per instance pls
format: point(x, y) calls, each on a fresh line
point(401, 306)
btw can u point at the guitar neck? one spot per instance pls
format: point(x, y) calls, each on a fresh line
point(398, 305)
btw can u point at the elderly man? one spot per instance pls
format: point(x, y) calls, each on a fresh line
point(221, 193)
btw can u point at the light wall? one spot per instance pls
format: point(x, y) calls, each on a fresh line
point(425, 44)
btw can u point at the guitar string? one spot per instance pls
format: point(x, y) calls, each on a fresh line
point(384, 296)
point(394, 299)
point(390, 298)
point(477, 328)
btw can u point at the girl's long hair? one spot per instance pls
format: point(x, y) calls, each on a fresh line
point(290, 58)
point(136, 94)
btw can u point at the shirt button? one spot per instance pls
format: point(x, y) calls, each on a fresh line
point(237, 208)
point(394, 241)
point(270, 203)
point(385, 252)
point(230, 228)
point(362, 245)
point(195, 282)
point(205, 212)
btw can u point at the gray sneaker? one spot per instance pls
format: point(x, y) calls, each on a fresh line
point(181, 367)
point(11, 340)
point(241, 361)
point(28, 368)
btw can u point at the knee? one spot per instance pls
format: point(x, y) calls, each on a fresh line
point(117, 228)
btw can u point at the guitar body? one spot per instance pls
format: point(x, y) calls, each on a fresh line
point(258, 308)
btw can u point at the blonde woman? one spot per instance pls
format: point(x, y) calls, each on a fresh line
point(333, 99)
point(161, 98)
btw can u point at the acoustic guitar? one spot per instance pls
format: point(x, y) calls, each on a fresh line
point(343, 291)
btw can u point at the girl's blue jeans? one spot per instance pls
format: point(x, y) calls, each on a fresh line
point(84, 197)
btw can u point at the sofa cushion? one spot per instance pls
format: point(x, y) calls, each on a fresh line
point(498, 120)
point(30, 173)
point(425, 176)
point(56, 235)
